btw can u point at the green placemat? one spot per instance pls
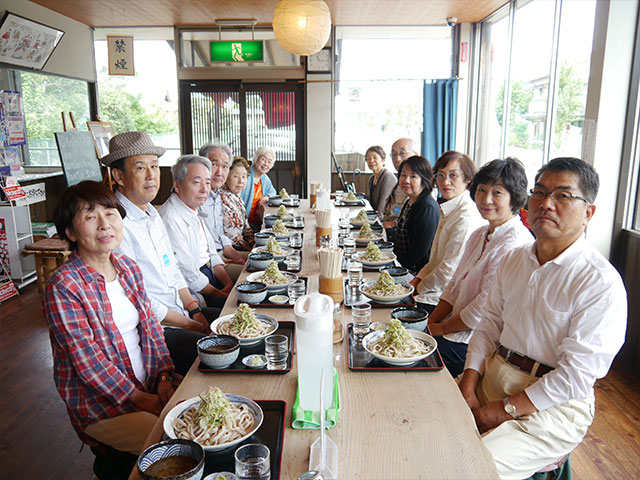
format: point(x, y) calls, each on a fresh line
point(307, 419)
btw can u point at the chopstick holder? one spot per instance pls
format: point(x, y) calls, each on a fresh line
point(310, 420)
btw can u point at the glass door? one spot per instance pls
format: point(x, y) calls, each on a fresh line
point(248, 116)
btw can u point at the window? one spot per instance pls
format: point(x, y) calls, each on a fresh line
point(147, 101)
point(544, 71)
point(44, 98)
point(381, 72)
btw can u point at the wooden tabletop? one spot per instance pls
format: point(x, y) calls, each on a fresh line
point(399, 425)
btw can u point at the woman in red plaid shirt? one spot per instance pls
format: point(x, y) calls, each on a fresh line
point(111, 364)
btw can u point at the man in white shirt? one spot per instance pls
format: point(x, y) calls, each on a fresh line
point(193, 245)
point(554, 321)
point(133, 159)
point(401, 149)
point(220, 156)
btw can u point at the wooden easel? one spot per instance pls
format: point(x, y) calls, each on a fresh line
point(64, 123)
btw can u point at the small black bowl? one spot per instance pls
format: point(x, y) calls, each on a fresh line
point(262, 238)
point(414, 318)
point(251, 292)
point(399, 274)
point(172, 448)
point(384, 246)
point(260, 260)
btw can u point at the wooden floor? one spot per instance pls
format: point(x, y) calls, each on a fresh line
point(37, 441)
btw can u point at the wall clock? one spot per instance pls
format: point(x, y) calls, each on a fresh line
point(320, 62)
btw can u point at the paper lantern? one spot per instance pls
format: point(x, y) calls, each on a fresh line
point(302, 27)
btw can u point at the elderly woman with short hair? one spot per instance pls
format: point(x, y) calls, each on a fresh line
point(382, 181)
point(499, 190)
point(418, 219)
point(234, 215)
point(110, 362)
point(255, 194)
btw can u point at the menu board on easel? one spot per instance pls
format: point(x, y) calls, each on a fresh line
point(78, 156)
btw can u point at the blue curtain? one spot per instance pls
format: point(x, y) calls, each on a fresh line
point(440, 104)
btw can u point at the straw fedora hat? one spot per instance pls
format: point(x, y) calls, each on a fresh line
point(130, 144)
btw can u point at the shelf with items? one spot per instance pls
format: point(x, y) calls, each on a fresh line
point(15, 234)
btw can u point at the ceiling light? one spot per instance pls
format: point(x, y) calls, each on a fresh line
point(302, 27)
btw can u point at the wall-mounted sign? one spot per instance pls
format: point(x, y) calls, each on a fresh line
point(120, 52)
point(239, 51)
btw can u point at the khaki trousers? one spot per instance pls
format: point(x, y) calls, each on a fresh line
point(522, 447)
point(126, 433)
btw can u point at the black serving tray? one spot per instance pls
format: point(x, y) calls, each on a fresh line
point(362, 361)
point(281, 265)
point(350, 299)
point(270, 433)
point(288, 205)
point(284, 328)
point(267, 304)
point(358, 204)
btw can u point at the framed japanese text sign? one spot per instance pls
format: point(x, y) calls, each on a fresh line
point(26, 43)
point(120, 51)
point(102, 133)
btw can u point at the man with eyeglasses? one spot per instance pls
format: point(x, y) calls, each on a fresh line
point(554, 321)
point(220, 156)
point(401, 149)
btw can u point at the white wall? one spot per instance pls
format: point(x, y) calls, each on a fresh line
point(73, 56)
point(606, 110)
point(319, 128)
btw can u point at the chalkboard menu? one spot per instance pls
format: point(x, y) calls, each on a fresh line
point(78, 156)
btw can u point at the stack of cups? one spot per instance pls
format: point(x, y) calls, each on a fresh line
point(323, 224)
point(313, 190)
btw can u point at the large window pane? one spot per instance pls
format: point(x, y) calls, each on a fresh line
point(45, 97)
point(574, 61)
point(530, 66)
point(494, 58)
point(379, 95)
point(147, 101)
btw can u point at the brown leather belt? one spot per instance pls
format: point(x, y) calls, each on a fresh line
point(523, 362)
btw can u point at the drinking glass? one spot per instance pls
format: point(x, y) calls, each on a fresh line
point(292, 261)
point(354, 274)
point(253, 462)
point(296, 290)
point(361, 318)
point(349, 244)
point(295, 198)
point(295, 240)
point(339, 194)
point(298, 220)
point(276, 349)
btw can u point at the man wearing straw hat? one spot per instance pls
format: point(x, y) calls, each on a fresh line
point(401, 149)
point(134, 166)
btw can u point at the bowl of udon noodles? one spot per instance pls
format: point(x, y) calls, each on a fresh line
point(275, 280)
point(246, 325)
point(215, 420)
point(385, 290)
point(399, 346)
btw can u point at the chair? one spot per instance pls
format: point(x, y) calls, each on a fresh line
point(112, 464)
point(560, 469)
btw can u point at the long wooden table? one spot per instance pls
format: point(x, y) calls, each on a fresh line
point(391, 425)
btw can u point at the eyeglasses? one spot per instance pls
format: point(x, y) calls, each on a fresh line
point(453, 176)
point(562, 197)
point(401, 153)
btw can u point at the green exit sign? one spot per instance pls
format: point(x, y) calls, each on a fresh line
point(240, 51)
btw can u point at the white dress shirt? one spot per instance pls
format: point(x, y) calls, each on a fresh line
point(467, 292)
point(211, 212)
point(459, 218)
point(145, 240)
point(569, 313)
point(182, 227)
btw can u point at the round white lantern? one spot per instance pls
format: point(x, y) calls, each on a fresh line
point(302, 27)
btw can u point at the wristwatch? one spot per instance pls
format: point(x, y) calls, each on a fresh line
point(194, 311)
point(510, 408)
